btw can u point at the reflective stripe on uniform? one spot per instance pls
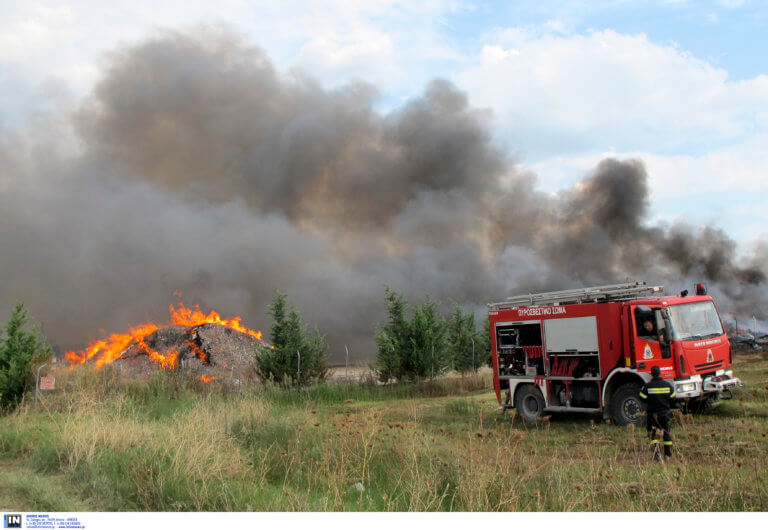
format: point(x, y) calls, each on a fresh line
point(664, 390)
point(667, 443)
point(654, 441)
point(672, 395)
point(643, 395)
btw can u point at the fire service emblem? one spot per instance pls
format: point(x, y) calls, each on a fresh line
point(710, 357)
point(647, 353)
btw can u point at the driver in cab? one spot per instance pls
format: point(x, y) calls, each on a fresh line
point(649, 331)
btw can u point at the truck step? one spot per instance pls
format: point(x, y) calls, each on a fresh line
point(571, 409)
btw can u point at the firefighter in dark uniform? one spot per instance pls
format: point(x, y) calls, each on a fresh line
point(658, 395)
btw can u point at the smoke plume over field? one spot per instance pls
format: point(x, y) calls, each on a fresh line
point(200, 168)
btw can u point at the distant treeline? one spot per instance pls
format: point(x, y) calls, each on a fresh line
point(416, 343)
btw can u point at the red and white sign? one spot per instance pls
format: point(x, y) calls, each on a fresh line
point(47, 383)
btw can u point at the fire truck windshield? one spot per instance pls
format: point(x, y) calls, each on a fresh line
point(695, 321)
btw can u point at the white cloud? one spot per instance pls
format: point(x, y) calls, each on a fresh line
point(335, 40)
point(603, 90)
point(495, 54)
point(368, 56)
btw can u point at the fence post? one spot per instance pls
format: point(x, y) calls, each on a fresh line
point(298, 369)
point(433, 363)
point(346, 364)
point(37, 381)
point(240, 372)
point(474, 368)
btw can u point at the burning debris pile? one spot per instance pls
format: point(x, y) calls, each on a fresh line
point(209, 351)
point(204, 345)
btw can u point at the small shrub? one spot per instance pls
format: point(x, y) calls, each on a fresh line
point(20, 350)
point(289, 335)
point(465, 344)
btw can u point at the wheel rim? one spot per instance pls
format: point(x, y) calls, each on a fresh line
point(630, 408)
point(531, 405)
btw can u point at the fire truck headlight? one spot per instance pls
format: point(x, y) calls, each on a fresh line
point(686, 387)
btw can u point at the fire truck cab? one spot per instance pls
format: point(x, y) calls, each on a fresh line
point(592, 349)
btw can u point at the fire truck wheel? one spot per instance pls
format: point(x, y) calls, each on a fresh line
point(529, 403)
point(626, 405)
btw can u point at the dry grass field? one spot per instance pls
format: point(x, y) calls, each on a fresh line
point(169, 445)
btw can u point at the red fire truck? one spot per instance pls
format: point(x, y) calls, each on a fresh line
point(592, 349)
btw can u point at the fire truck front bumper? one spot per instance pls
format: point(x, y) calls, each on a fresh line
point(721, 382)
point(695, 386)
point(689, 387)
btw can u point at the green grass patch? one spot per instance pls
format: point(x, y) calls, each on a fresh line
point(24, 491)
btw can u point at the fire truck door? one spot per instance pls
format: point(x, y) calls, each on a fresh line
point(647, 338)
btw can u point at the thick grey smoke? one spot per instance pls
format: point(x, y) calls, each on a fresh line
point(202, 169)
point(600, 229)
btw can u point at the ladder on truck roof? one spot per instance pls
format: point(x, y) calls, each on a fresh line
point(617, 292)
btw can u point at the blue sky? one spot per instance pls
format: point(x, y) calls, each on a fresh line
point(681, 85)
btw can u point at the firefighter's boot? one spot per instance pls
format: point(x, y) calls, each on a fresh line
point(656, 448)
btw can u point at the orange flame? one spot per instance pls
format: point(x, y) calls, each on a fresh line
point(205, 379)
point(199, 353)
point(104, 351)
point(183, 316)
point(107, 350)
point(166, 362)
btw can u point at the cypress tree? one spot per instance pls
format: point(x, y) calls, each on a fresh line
point(20, 350)
point(289, 335)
